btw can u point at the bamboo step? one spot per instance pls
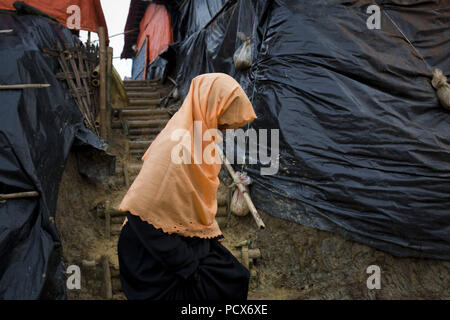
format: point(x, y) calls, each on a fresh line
point(138, 153)
point(140, 145)
point(144, 131)
point(134, 168)
point(141, 137)
point(139, 150)
point(145, 114)
point(143, 102)
point(132, 124)
point(139, 83)
point(151, 88)
point(143, 94)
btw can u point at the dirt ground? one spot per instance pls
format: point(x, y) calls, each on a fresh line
point(297, 262)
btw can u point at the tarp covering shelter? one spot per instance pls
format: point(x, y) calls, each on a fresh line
point(132, 27)
point(364, 143)
point(193, 16)
point(38, 128)
point(156, 28)
point(91, 12)
point(155, 36)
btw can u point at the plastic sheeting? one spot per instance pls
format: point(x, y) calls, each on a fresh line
point(193, 16)
point(364, 143)
point(37, 130)
point(156, 31)
point(139, 64)
point(91, 12)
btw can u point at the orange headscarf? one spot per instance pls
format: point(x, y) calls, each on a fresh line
point(181, 198)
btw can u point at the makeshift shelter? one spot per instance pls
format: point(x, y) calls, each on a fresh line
point(154, 35)
point(38, 128)
point(91, 13)
point(364, 143)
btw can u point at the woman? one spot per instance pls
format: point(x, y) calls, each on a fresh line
point(169, 247)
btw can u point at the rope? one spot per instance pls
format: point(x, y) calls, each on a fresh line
point(430, 69)
point(118, 34)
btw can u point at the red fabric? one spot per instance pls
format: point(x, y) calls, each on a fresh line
point(156, 27)
point(92, 15)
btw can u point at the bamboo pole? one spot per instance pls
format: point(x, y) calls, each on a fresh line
point(96, 72)
point(103, 76)
point(243, 190)
point(109, 72)
point(24, 86)
point(252, 253)
point(95, 83)
point(20, 195)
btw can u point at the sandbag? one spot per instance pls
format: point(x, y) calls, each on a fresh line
point(243, 55)
point(439, 82)
point(239, 206)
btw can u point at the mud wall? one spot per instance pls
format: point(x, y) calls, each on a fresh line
point(297, 262)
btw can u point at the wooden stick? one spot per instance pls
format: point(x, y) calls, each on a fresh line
point(31, 194)
point(243, 190)
point(89, 263)
point(111, 212)
point(24, 86)
point(107, 275)
point(127, 149)
point(107, 220)
point(109, 72)
point(222, 211)
point(252, 253)
point(245, 257)
point(103, 76)
point(125, 174)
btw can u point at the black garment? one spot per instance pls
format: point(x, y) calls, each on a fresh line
point(158, 266)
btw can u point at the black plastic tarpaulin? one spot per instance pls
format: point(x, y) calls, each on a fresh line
point(364, 143)
point(37, 130)
point(192, 16)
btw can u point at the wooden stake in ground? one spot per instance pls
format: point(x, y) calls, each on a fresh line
point(24, 86)
point(107, 277)
point(243, 190)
